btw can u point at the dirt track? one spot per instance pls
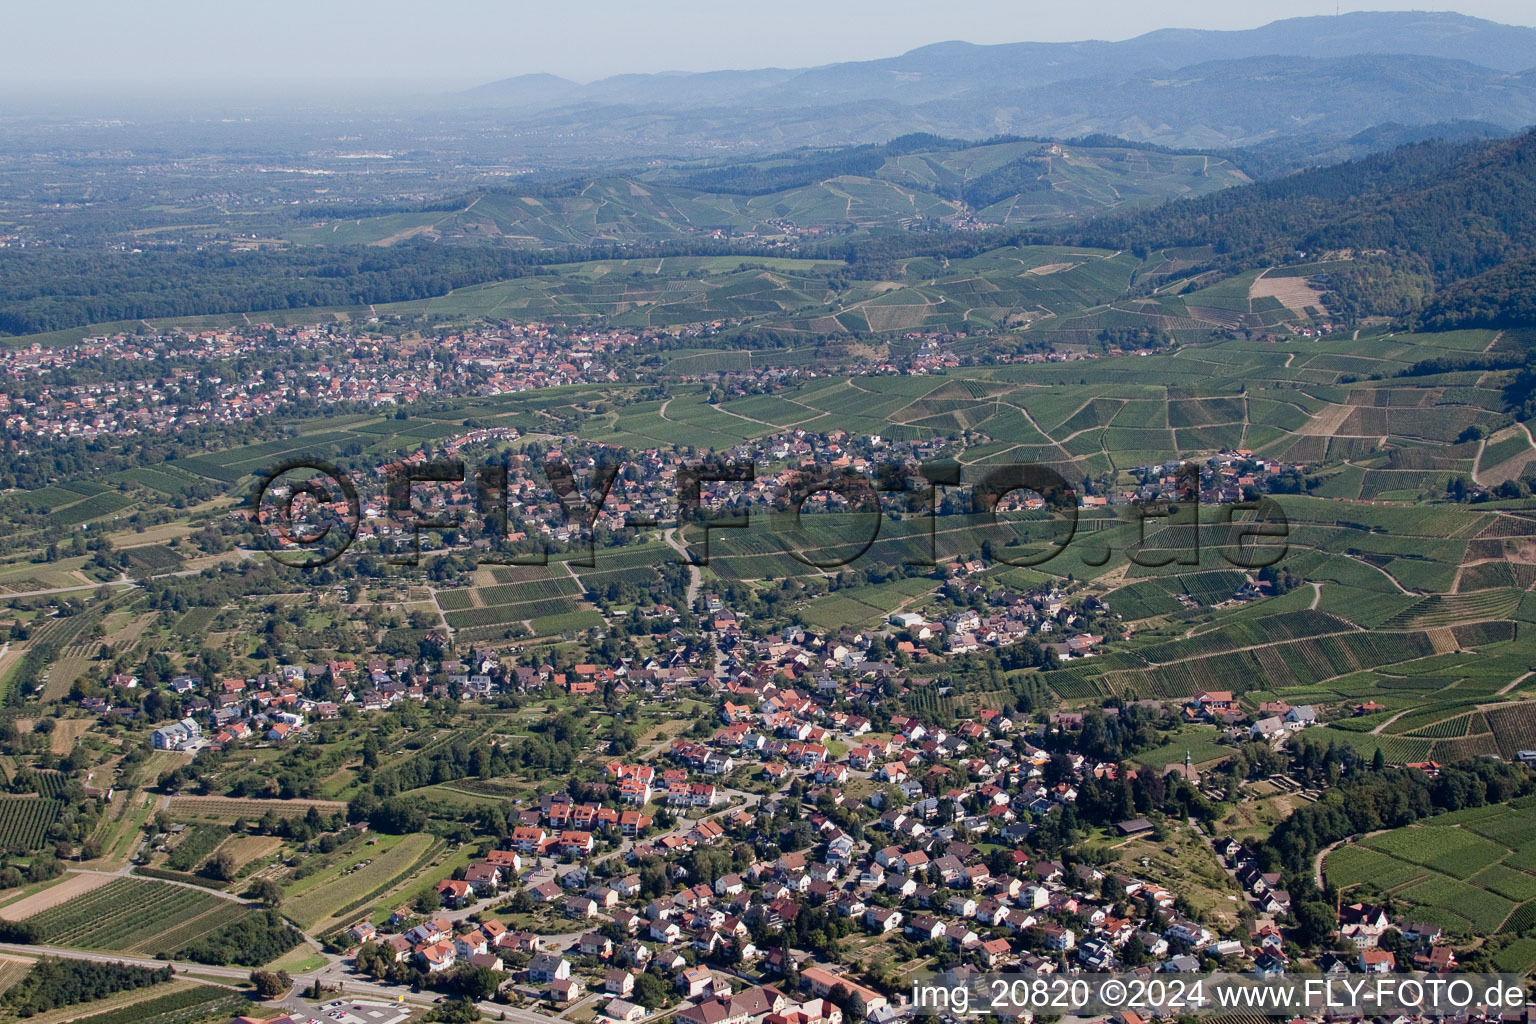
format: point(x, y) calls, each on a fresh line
point(74, 885)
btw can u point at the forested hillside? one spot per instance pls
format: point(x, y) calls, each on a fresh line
point(1502, 297)
point(1421, 217)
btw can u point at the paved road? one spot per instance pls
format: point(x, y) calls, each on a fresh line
point(335, 974)
point(695, 578)
point(121, 581)
point(7, 595)
point(232, 973)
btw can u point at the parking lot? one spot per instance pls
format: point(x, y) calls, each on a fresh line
point(351, 1012)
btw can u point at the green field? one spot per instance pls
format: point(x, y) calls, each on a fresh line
point(370, 870)
point(1472, 872)
point(135, 916)
point(24, 822)
point(194, 846)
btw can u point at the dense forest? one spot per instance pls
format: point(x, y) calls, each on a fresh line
point(1421, 217)
point(1265, 217)
point(1502, 297)
point(51, 290)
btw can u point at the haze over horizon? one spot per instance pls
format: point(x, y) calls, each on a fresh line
point(84, 48)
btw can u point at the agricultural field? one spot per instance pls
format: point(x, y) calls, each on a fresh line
point(176, 1003)
point(1472, 872)
point(244, 850)
point(1195, 401)
point(666, 201)
point(1517, 957)
point(194, 846)
point(12, 970)
point(370, 873)
point(136, 916)
point(1271, 490)
point(24, 821)
point(1201, 743)
point(226, 810)
point(70, 887)
point(1401, 616)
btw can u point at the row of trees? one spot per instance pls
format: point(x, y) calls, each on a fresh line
point(54, 983)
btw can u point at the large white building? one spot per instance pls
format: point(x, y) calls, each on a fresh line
point(179, 736)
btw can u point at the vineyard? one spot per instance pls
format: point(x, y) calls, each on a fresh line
point(1279, 665)
point(564, 623)
point(362, 881)
point(1440, 728)
point(1471, 871)
point(1519, 957)
point(1405, 609)
point(49, 784)
point(164, 479)
point(64, 630)
point(136, 916)
point(1448, 609)
point(195, 622)
point(1515, 727)
point(226, 809)
point(536, 593)
point(192, 1005)
point(154, 558)
point(91, 508)
point(1457, 852)
point(24, 821)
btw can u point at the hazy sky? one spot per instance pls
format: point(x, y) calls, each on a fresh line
point(107, 46)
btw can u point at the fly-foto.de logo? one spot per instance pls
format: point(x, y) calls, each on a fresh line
point(308, 512)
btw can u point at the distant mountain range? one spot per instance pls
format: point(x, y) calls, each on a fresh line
point(1326, 75)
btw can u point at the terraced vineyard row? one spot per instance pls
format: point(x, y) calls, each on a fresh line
point(1273, 666)
point(1448, 609)
point(1515, 727)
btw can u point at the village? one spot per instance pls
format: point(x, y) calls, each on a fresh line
point(955, 847)
point(940, 861)
point(161, 382)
